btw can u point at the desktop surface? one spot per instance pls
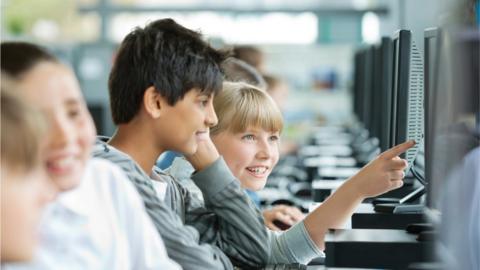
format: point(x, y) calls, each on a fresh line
point(374, 248)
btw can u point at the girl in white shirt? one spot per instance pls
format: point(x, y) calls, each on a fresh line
point(98, 220)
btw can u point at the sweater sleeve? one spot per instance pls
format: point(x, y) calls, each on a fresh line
point(228, 217)
point(182, 242)
point(293, 246)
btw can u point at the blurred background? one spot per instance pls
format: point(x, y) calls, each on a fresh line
point(308, 43)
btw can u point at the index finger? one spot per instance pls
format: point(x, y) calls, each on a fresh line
point(397, 150)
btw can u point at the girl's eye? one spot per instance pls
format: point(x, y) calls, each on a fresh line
point(274, 138)
point(248, 137)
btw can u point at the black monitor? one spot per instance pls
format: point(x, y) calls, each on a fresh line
point(432, 37)
point(367, 88)
point(357, 85)
point(406, 114)
point(407, 94)
point(363, 85)
point(97, 111)
point(383, 91)
point(455, 183)
point(452, 102)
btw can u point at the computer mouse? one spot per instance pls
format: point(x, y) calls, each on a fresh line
point(282, 226)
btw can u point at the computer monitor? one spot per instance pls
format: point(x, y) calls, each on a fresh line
point(406, 114)
point(97, 111)
point(368, 87)
point(432, 37)
point(363, 85)
point(452, 105)
point(455, 183)
point(383, 91)
point(358, 85)
point(407, 94)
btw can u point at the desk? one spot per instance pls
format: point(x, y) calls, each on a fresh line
point(374, 248)
point(365, 218)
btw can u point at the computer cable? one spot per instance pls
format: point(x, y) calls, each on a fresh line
point(418, 176)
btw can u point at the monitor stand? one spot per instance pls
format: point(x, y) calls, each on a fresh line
point(396, 208)
point(412, 196)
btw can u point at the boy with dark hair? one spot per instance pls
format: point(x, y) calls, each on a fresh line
point(161, 90)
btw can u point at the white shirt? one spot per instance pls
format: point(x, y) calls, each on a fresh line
point(159, 185)
point(101, 224)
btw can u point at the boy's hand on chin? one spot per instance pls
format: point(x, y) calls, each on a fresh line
point(205, 155)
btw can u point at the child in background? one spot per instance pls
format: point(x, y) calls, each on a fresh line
point(251, 55)
point(236, 70)
point(25, 188)
point(98, 220)
point(278, 90)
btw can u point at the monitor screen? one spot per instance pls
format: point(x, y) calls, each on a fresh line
point(358, 85)
point(431, 51)
point(383, 86)
point(407, 94)
point(453, 108)
point(368, 88)
point(362, 94)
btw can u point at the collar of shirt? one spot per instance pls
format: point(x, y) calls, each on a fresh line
point(159, 185)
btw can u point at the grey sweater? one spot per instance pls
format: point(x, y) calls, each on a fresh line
point(226, 228)
point(292, 246)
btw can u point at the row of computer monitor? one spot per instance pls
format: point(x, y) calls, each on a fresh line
point(400, 95)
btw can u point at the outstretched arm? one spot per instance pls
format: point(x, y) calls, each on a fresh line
point(379, 176)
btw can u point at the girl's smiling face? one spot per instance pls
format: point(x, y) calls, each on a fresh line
point(250, 155)
point(54, 90)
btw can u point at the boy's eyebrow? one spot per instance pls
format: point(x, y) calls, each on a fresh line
point(205, 94)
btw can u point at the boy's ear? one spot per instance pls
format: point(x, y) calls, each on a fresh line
point(153, 102)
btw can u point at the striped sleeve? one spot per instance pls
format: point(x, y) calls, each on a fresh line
point(229, 218)
point(293, 246)
point(182, 242)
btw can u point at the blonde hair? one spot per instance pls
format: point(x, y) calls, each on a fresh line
point(240, 106)
point(21, 130)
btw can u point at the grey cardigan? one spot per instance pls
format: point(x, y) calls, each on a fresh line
point(227, 228)
point(292, 246)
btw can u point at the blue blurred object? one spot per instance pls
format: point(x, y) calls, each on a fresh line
point(166, 159)
point(254, 196)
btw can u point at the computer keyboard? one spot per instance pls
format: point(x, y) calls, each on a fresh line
point(292, 266)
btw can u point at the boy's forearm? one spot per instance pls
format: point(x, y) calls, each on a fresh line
point(333, 212)
point(238, 223)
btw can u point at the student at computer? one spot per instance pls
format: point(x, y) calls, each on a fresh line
point(25, 187)
point(234, 70)
point(98, 220)
point(161, 90)
point(248, 136)
point(251, 55)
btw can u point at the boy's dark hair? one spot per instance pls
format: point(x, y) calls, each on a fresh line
point(167, 56)
point(19, 57)
point(237, 70)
